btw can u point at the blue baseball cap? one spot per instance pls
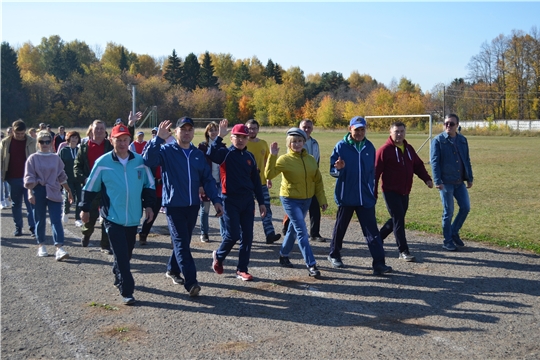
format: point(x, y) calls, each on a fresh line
point(357, 122)
point(155, 129)
point(184, 121)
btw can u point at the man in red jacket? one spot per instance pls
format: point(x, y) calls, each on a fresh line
point(395, 164)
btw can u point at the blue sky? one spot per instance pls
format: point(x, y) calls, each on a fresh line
point(427, 42)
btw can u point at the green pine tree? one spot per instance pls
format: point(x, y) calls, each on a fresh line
point(123, 62)
point(241, 75)
point(14, 97)
point(192, 68)
point(173, 71)
point(206, 76)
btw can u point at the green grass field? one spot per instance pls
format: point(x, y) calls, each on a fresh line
point(505, 198)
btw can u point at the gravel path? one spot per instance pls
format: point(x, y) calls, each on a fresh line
point(479, 303)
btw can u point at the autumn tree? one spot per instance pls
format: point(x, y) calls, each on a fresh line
point(224, 67)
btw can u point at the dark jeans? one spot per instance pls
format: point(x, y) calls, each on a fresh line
point(314, 219)
point(18, 194)
point(397, 206)
point(238, 213)
point(181, 221)
point(368, 223)
point(75, 188)
point(146, 226)
point(122, 240)
point(88, 228)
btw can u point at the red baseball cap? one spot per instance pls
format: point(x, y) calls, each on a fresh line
point(119, 130)
point(240, 129)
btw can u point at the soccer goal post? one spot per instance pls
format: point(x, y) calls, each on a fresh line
point(409, 116)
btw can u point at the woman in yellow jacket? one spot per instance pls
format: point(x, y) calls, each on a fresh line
point(301, 180)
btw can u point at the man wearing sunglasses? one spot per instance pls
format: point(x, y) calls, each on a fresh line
point(451, 167)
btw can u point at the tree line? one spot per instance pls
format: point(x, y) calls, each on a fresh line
point(70, 83)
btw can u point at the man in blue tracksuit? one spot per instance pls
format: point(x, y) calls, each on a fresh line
point(239, 181)
point(353, 164)
point(126, 186)
point(183, 170)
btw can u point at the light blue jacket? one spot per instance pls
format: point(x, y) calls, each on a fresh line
point(124, 190)
point(445, 163)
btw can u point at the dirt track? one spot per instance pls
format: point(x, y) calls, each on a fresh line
point(479, 303)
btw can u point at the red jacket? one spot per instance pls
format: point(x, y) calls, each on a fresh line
point(397, 168)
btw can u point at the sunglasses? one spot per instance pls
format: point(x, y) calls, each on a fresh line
point(450, 124)
point(45, 142)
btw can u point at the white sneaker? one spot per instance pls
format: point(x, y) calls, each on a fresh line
point(42, 251)
point(78, 223)
point(61, 254)
point(65, 218)
point(5, 204)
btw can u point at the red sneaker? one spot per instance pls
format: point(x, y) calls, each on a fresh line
point(216, 265)
point(244, 276)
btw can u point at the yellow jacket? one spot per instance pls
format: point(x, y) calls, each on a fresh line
point(301, 178)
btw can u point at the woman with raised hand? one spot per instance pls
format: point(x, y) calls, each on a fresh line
point(301, 180)
point(44, 177)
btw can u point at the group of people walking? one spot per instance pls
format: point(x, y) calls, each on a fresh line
point(119, 178)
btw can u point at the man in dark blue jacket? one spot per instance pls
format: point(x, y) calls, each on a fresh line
point(183, 170)
point(353, 164)
point(239, 181)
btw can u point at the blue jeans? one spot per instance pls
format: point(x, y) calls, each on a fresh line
point(18, 193)
point(40, 216)
point(448, 193)
point(4, 190)
point(238, 216)
point(122, 240)
point(268, 226)
point(181, 221)
point(296, 210)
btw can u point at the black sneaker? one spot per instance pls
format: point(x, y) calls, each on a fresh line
point(381, 270)
point(176, 278)
point(32, 231)
point(285, 262)
point(18, 232)
point(194, 291)
point(85, 241)
point(317, 239)
point(457, 240)
point(313, 271)
point(272, 238)
point(336, 262)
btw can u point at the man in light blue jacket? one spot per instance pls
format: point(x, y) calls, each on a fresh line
point(126, 186)
point(451, 167)
point(353, 164)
